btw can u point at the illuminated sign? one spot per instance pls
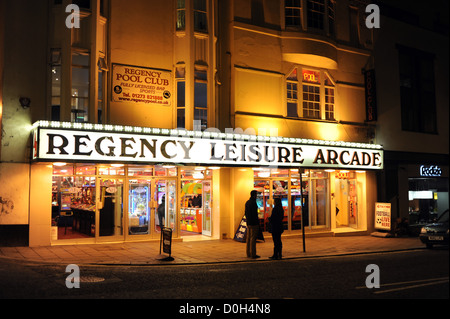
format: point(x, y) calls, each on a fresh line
point(191, 147)
point(342, 175)
point(432, 170)
point(370, 95)
point(420, 195)
point(141, 85)
point(383, 216)
point(311, 76)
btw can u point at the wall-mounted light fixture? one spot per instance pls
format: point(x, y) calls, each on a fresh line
point(25, 102)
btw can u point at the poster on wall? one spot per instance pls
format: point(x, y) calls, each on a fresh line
point(141, 85)
point(383, 216)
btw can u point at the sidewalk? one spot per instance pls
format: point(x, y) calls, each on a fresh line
point(206, 251)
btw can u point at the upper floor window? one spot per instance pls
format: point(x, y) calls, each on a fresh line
point(319, 15)
point(180, 75)
point(292, 13)
point(417, 90)
point(316, 14)
point(80, 86)
point(310, 94)
point(200, 99)
point(331, 17)
point(200, 16)
point(181, 15)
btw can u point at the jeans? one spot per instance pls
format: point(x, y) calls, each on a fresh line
point(277, 245)
point(252, 235)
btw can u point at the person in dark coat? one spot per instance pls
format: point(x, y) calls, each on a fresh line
point(162, 212)
point(251, 214)
point(276, 220)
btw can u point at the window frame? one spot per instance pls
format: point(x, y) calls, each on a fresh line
point(418, 113)
point(201, 111)
point(180, 24)
point(326, 102)
point(307, 10)
point(200, 15)
point(289, 6)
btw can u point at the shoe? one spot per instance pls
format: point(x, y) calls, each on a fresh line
point(256, 256)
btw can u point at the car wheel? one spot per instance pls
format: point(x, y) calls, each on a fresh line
point(429, 246)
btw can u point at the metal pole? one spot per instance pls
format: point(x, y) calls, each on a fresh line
point(300, 171)
point(160, 241)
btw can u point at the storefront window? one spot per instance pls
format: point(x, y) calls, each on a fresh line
point(140, 171)
point(296, 206)
point(113, 169)
point(73, 204)
point(263, 202)
point(279, 173)
point(150, 204)
point(285, 184)
point(428, 198)
point(62, 169)
point(85, 169)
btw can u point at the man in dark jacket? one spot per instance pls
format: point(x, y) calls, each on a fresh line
point(251, 214)
point(276, 220)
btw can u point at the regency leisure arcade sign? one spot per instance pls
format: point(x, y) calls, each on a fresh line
point(56, 141)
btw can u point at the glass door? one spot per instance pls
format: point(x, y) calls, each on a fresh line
point(318, 202)
point(151, 206)
point(110, 210)
point(139, 206)
point(263, 201)
point(164, 209)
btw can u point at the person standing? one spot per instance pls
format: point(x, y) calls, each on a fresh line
point(162, 212)
point(276, 220)
point(251, 214)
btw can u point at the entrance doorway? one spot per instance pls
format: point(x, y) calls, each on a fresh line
point(151, 206)
point(110, 208)
point(195, 204)
point(346, 200)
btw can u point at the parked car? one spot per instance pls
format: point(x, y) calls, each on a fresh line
point(435, 233)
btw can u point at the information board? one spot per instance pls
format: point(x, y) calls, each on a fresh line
point(141, 85)
point(241, 232)
point(383, 216)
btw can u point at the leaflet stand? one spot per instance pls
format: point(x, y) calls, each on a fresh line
point(166, 242)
